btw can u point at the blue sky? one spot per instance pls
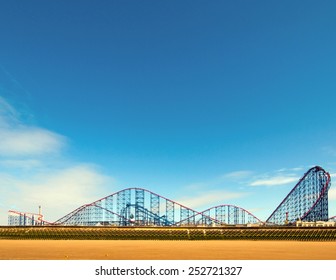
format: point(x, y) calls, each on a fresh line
point(203, 102)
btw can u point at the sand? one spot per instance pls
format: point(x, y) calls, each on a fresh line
point(165, 250)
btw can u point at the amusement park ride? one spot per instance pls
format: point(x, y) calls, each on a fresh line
point(307, 202)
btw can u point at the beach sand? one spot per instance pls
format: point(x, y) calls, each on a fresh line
point(165, 250)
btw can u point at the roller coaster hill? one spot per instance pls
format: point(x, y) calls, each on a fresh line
point(307, 202)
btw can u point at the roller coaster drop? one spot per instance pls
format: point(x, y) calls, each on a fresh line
point(308, 201)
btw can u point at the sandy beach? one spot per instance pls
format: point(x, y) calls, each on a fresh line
point(165, 250)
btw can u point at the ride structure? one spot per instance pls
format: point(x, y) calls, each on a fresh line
point(26, 219)
point(140, 207)
point(307, 201)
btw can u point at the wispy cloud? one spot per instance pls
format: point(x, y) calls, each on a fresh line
point(213, 198)
point(20, 140)
point(274, 181)
point(35, 171)
point(24, 164)
point(240, 177)
point(290, 169)
point(29, 141)
point(215, 191)
point(58, 191)
point(236, 175)
point(8, 114)
point(278, 177)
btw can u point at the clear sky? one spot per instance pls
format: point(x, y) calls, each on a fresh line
point(203, 102)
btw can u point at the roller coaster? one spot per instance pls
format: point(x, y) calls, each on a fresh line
point(138, 207)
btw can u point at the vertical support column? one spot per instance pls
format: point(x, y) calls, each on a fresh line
point(205, 221)
point(309, 193)
point(192, 218)
point(82, 216)
point(231, 215)
point(123, 198)
point(109, 217)
point(236, 215)
point(139, 207)
point(170, 212)
point(220, 214)
point(184, 214)
point(250, 219)
point(242, 216)
point(123, 201)
point(155, 209)
point(98, 213)
point(322, 180)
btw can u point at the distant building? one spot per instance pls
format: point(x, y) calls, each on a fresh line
point(315, 224)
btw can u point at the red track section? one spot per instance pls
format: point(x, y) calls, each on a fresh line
point(141, 207)
point(38, 218)
point(316, 178)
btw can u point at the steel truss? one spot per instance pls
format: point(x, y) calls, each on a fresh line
point(16, 218)
point(133, 207)
point(225, 214)
point(307, 201)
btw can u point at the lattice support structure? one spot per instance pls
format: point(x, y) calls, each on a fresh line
point(155, 209)
point(16, 218)
point(227, 214)
point(170, 213)
point(307, 201)
point(134, 207)
point(220, 214)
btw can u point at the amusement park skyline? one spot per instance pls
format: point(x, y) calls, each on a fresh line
point(202, 103)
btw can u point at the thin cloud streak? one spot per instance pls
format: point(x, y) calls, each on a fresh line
point(20, 140)
point(58, 191)
point(34, 171)
point(242, 174)
point(213, 198)
point(29, 141)
point(274, 181)
point(7, 113)
point(25, 164)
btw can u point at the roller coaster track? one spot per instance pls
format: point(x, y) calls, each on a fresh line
point(26, 218)
point(133, 206)
point(307, 201)
point(226, 214)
